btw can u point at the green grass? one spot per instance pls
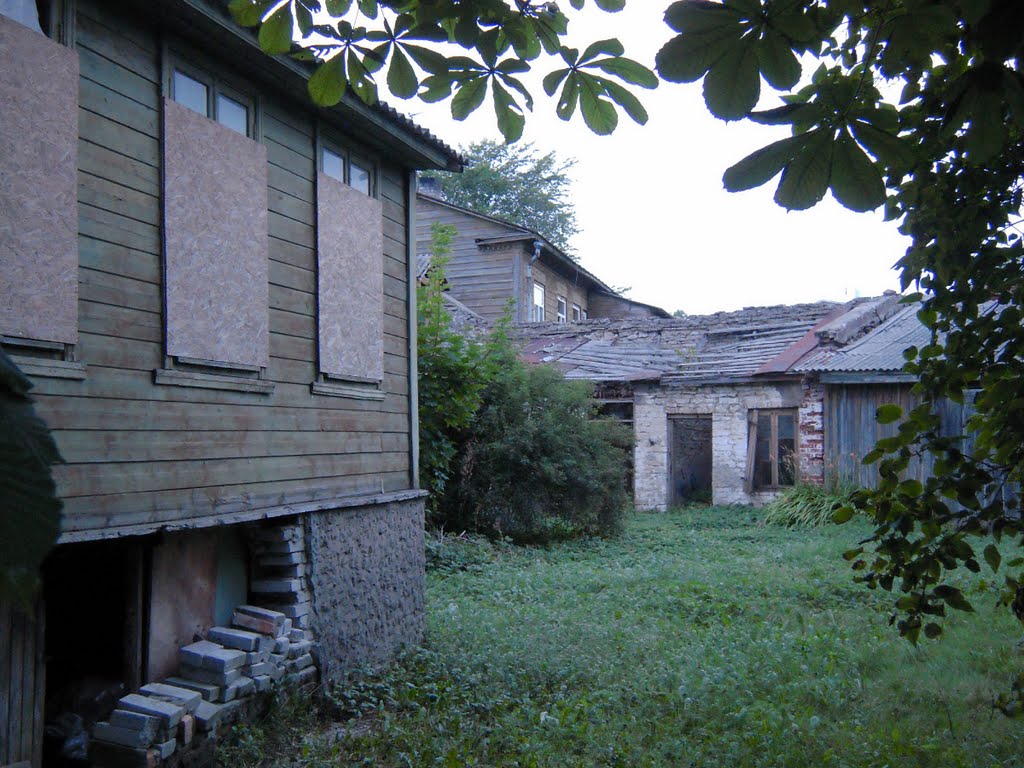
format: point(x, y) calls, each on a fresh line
point(697, 638)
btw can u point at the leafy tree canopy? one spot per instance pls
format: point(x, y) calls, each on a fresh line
point(516, 183)
point(917, 105)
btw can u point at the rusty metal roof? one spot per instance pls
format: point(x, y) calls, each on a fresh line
point(879, 350)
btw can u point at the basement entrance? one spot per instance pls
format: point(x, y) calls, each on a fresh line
point(690, 457)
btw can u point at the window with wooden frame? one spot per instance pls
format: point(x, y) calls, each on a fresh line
point(216, 251)
point(772, 449)
point(38, 211)
point(560, 313)
point(350, 276)
point(577, 313)
point(213, 98)
point(537, 315)
point(342, 165)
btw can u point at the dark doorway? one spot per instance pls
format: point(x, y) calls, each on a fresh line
point(691, 459)
point(92, 595)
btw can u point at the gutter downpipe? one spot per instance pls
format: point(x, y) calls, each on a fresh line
point(537, 245)
point(414, 390)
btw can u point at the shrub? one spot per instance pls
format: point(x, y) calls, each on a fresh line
point(807, 506)
point(538, 465)
point(508, 449)
point(453, 371)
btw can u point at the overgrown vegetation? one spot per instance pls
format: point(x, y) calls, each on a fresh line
point(807, 505)
point(506, 448)
point(697, 637)
point(453, 371)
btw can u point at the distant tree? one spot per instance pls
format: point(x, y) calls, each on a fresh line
point(679, 313)
point(517, 183)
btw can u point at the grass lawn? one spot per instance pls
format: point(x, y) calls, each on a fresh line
point(697, 638)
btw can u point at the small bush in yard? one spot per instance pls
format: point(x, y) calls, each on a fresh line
point(807, 506)
point(538, 465)
point(508, 449)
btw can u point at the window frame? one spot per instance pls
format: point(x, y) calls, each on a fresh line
point(753, 418)
point(216, 85)
point(537, 313)
point(181, 370)
point(329, 141)
point(39, 357)
point(348, 158)
point(577, 313)
point(561, 309)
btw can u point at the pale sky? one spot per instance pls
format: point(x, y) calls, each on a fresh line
point(650, 204)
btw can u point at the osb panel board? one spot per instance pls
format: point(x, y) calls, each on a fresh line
point(215, 220)
point(38, 168)
point(350, 248)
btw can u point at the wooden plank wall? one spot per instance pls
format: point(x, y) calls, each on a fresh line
point(555, 285)
point(140, 453)
point(22, 685)
point(851, 430)
point(482, 280)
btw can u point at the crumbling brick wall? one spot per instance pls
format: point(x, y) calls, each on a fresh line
point(812, 433)
point(729, 406)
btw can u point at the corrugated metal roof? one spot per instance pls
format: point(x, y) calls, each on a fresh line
point(879, 350)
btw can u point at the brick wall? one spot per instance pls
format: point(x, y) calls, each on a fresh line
point(729, 406)
point(812, 433)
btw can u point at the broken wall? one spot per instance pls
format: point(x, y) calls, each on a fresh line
point(729, 406)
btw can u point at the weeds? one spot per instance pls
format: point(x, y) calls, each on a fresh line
point(698, 638)
point(806, 505)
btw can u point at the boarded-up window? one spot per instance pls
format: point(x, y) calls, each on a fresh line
point(215, 219)
point(771, 450)
point(38, 166)
point(350, 282)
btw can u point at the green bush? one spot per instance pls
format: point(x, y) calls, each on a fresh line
point(538, 465)
point(807, 506)
point(453, 371)
point(508, 449)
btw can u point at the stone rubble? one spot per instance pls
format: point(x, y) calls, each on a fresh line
point(218, 682)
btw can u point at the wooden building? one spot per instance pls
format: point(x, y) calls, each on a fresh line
point(496, 264)
point(211, 284)
point(860, 377)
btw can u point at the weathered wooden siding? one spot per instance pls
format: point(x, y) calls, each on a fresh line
point(555, 285)
point(603, 305)
point(851, 430)
point(22, 685)
point(141, 453)
point(483, 280)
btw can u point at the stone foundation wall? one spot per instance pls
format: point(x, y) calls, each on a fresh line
point(367, 573)
point(729, 406)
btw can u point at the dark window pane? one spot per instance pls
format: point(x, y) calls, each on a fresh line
point(334, 166)
point(190, 92)
point(762, 452)
point(232, 114)
point(360, 178)
point(787, 461)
